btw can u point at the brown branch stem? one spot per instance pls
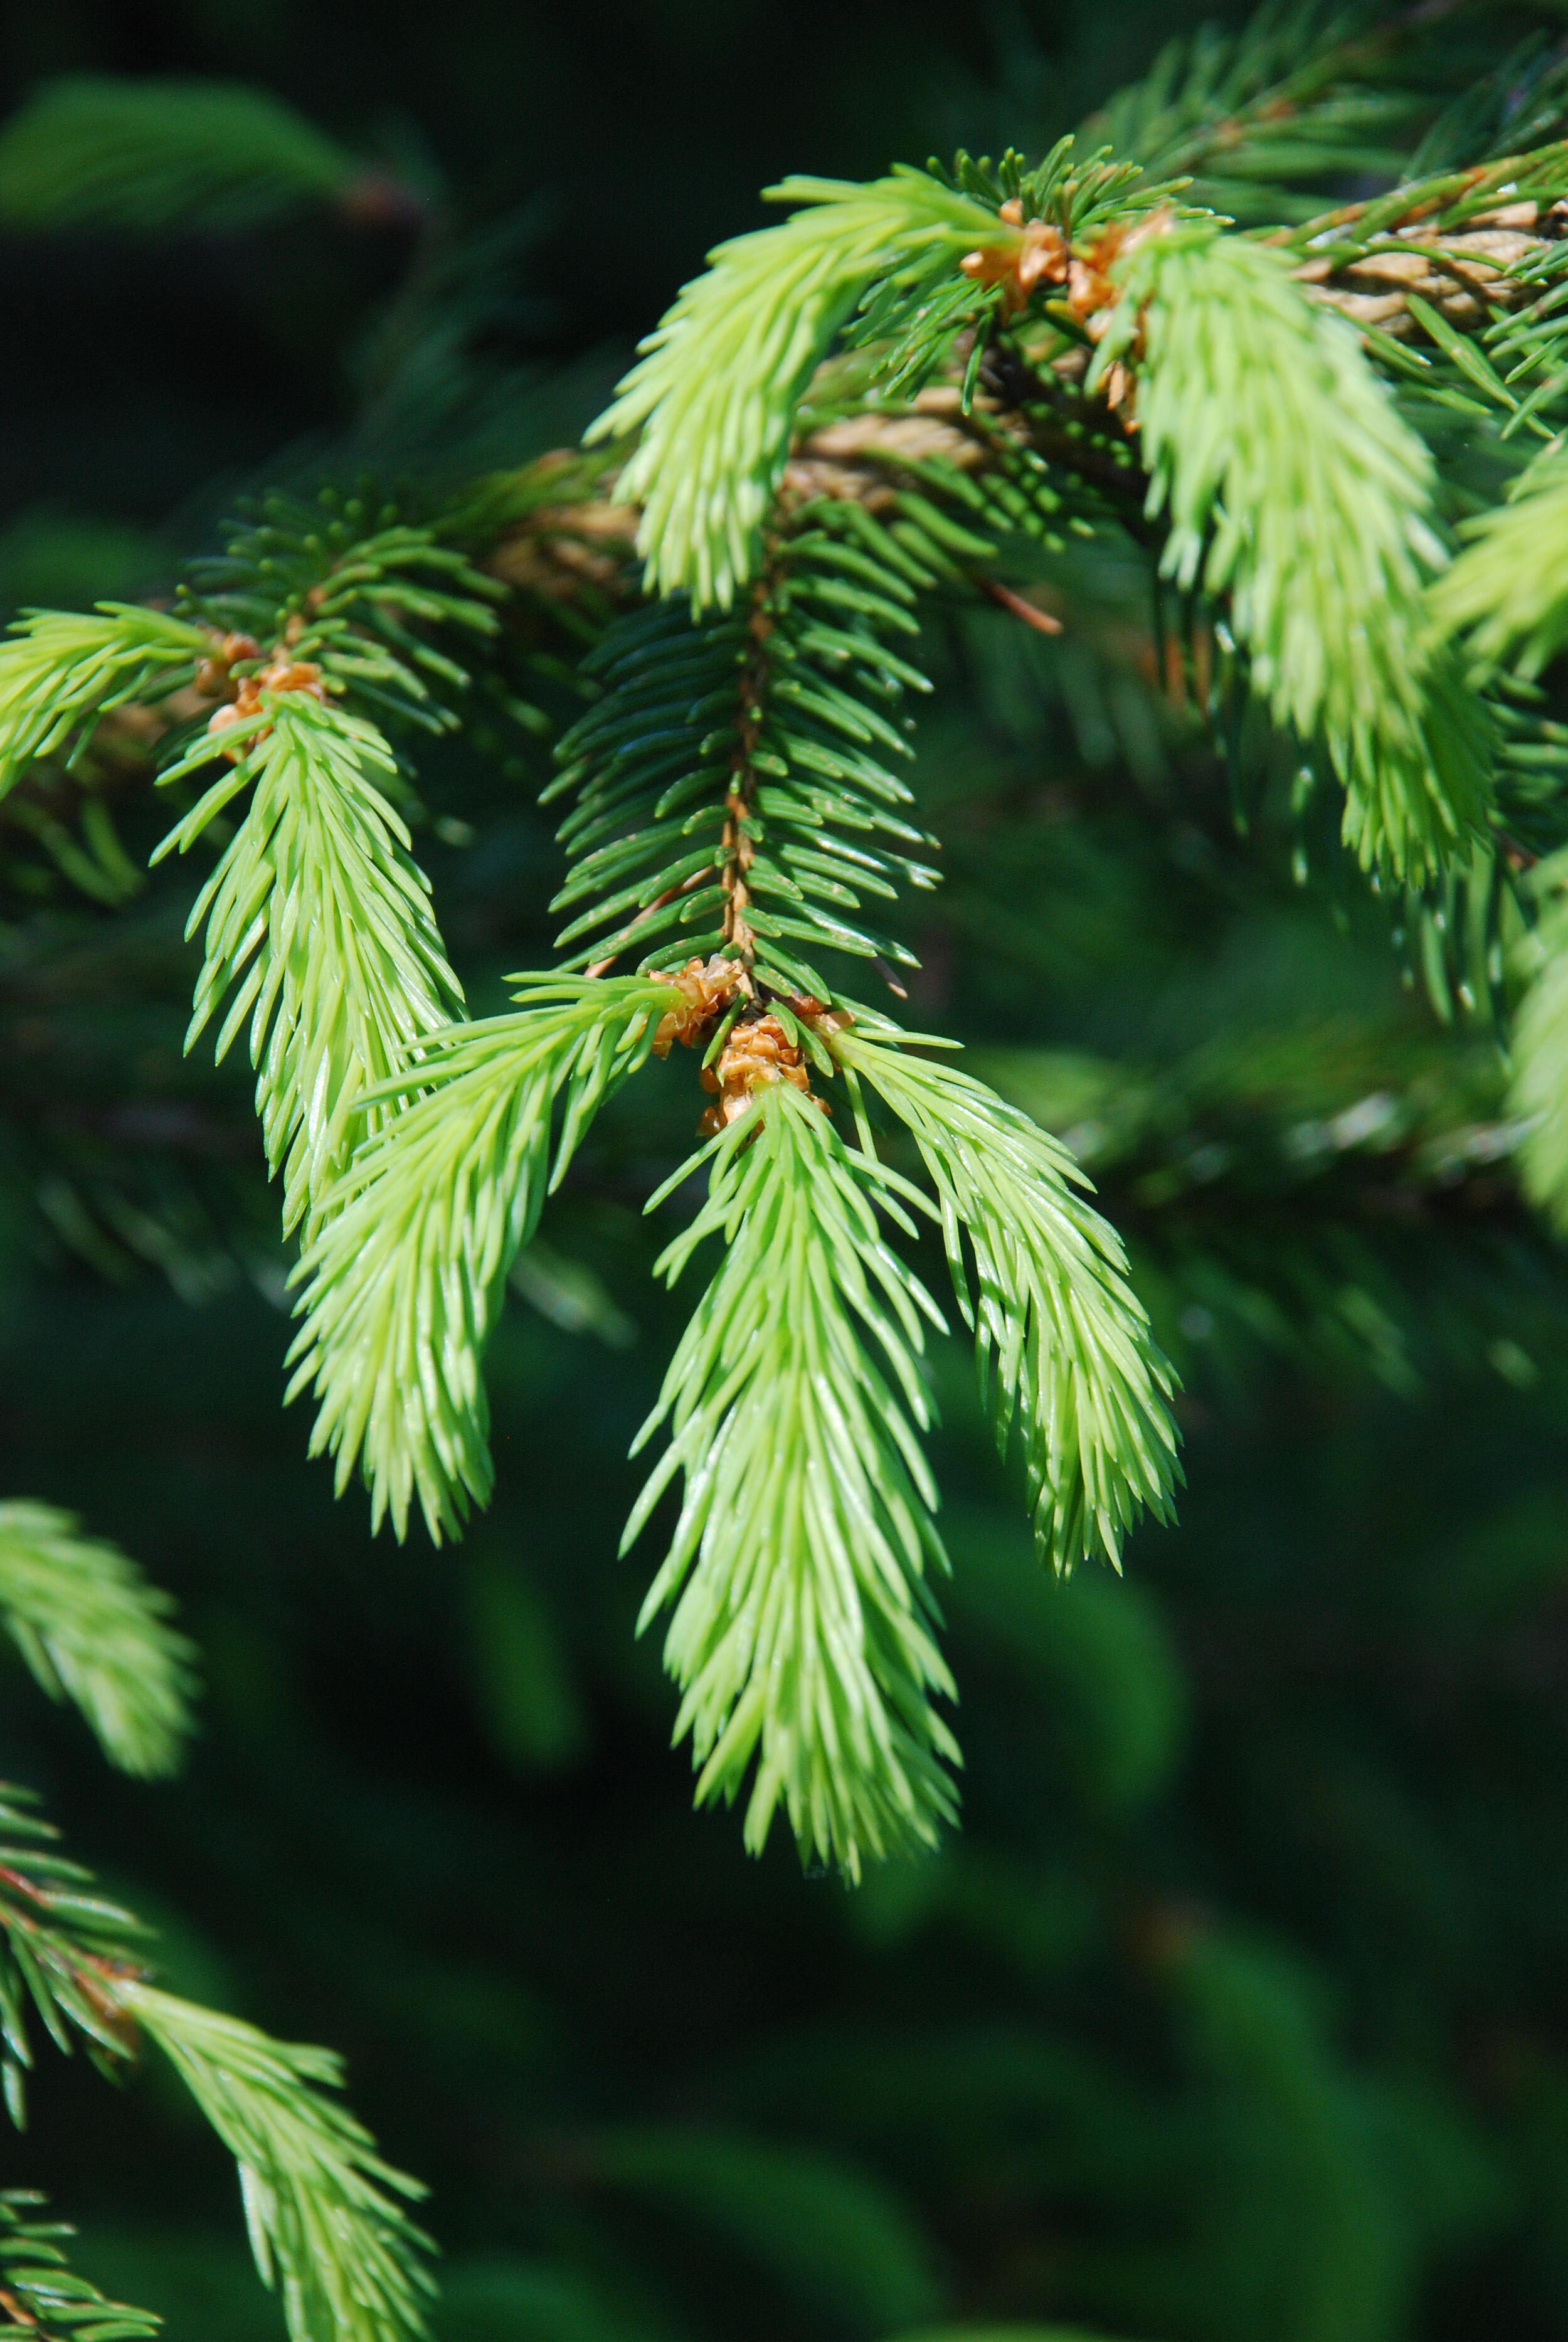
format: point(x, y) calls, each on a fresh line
point(735, 845)
point(670, 895)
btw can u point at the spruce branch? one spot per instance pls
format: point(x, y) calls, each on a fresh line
point(890, 400)
point(1455, 283)
point(1062, 1342)
point(1297, 95)
point(734, 782)
point(714, 392)
point(1387, 279)
point(1283, 1183)
point(715, 397)
point(94, 1631)
point(799, 1571)
point(325, 2214)
point(318, 918)
point(402, 1274)
point(61, 672)
point(1507, 593)
point(1289, 481)
point(62, 1950)
point(40, 2294)
point(379, 601)
point(339, 587)
point(148, 156)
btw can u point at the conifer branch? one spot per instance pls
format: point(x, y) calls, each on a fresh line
point(340, 588)
point(349, 582)
point(62, 1950)
point(61, 672)
point(148, 156)
point(714, 392)
point(896, 395)
point(401, 1276)
point(319, 915)
point(1290, 482)
point(1507, 593)
point(799, 1570)
point(325, 2214)
point(1214, 330)
point(1062, 1342)
point(1301, 92)
point(40, 2294)
point(716, 396)
point(94, 1631)
point(1455, 283)
point(768, 729)
point(734, 782)
point(1469, 241)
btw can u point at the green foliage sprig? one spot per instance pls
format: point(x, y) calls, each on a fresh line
point(1290, 481)
point(735, 781)
point(325, 2213)
point(1507, 593)
point(41, 2293)
point(63, 1950)
point(713, 396)
point(60, 673)
point(318, 919)
point(401, 1278)
point(1355, 1223)
point(94, 1631)
point(800, 1566)
point(1062, 1344)
point(382, 601)
point(90, 152)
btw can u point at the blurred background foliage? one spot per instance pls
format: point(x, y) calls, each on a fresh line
point(1236, 2010)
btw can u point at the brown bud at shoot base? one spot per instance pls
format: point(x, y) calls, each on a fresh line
point(1038, 256)
point(757, 1053)
point(281, 675)
point(706, 990)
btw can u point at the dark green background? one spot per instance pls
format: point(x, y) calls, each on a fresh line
point(1236, 2011)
